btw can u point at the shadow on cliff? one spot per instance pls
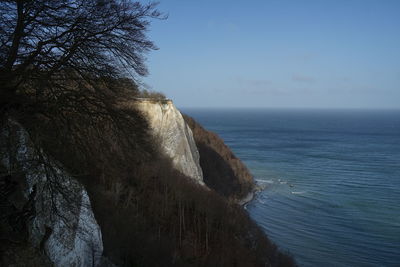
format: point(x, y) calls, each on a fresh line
point(222, 170)
point(218, 175)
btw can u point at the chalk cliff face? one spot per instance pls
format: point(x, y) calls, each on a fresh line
point(62, 223)
point(174, 134)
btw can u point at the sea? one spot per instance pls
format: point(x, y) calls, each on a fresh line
point(330, 179)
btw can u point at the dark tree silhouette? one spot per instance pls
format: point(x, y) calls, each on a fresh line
point(45, 43)
point(65, 66)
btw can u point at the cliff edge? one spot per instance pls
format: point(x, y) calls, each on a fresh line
point(174, 135)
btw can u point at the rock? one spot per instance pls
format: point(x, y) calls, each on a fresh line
point(174, 134)
point(61, 222)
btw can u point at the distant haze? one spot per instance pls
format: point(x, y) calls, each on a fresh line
point(298, 54)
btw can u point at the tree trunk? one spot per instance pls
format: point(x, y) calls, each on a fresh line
point(17, 35)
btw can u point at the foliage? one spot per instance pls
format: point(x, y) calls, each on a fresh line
point(151, 94)
point(222, 170)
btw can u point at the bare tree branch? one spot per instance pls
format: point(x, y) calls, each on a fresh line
point(41, 39)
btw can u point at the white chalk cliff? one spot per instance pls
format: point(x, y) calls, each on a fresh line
point(174, 134)
point(64, 226)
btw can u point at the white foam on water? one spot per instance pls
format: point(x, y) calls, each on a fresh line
point(298, 192)
point(262, 181)
point(261, 201)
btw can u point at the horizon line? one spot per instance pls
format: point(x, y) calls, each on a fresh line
point(297, 108)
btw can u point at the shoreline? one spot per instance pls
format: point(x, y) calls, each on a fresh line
point(251, 195)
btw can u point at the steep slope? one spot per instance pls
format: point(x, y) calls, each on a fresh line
point(149, 212)
point(222, 170)
point(174, 135)
point(56, 212)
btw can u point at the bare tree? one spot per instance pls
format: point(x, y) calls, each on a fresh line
point(66, 62)
point(43, 43)
point(65, 65)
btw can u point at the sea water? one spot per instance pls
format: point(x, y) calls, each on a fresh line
point(331, 177)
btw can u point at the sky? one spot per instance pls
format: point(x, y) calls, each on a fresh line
point(277, 53)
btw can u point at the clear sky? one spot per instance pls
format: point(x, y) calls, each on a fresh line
point(278, 53)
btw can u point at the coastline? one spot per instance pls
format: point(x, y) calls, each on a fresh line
point(251, 195)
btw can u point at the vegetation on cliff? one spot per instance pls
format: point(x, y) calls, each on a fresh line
point(63, 71)
point(222, 170)
point(150, 214)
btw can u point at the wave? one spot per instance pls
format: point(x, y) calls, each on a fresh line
point(262, 181)
point(298, 192)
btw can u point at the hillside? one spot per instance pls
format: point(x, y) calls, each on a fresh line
point(149, 213)
point(222, 170)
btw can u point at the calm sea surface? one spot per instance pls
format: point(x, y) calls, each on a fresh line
point(332, 180)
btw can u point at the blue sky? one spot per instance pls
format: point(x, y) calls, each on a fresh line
point(278, 53)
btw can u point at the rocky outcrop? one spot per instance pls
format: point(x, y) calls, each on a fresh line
point(174, 135)
point(196, 152)
point(222, 170)
point(57, 211)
